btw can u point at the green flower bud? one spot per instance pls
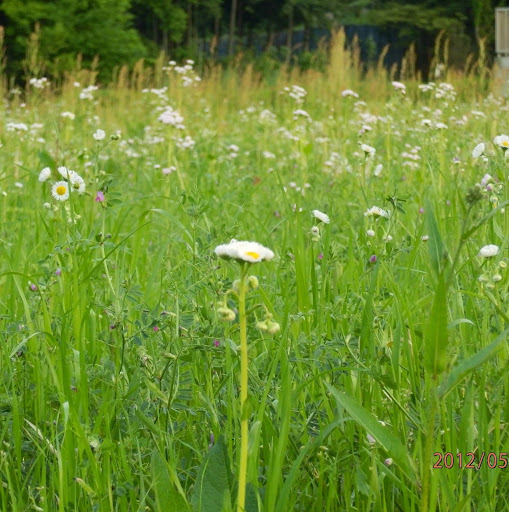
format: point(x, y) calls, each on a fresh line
point(252, 282)
point(225, 314)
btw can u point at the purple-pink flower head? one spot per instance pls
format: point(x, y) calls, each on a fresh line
point(99, 198)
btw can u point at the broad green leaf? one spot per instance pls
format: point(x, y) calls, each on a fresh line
point(212, 490)
point(392, 445)
point(436, 337)
point(167, 497)
point(472, 363)
point(436, 247)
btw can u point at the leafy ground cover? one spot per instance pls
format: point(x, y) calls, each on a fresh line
point(377, 332)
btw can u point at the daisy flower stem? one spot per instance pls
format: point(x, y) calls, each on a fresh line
point(243, 391)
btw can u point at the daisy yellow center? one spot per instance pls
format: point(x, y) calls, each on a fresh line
point(253, 254)
point(61, 190)
point(505, 143)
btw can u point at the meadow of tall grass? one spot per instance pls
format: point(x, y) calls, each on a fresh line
point(376, 336)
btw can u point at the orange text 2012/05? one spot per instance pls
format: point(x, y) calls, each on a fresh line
point(470, 460)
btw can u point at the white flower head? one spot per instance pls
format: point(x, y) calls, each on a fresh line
point(349, 92)
point(502, 141)
point(479, 150)
point(368, 150)
point(60, 191)
point(399, 87)
point(376, 211)
point(99, 134)
point(77, 183)
point(66, 173)
point(250, 252)
point(488, 251)
point(45, 174)
point(323, 217)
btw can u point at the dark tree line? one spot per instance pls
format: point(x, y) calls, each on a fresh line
point(123, 31)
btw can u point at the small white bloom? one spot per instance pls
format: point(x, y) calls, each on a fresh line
point(376, 211)
point(378, 170)
point(45, 174)
point(60, 191)
point(488, 251)
point(370, 232)
point(496, 278)
point(425, 238)
point(321, 216)
point(399, 87)
point(479, 150)
point(251, 252)
point(348, 92)
point(99, 134)
point(368, 150)
point(502, 141)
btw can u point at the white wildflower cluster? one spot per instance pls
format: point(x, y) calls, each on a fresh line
point(301, 114)
point(267, 117)
point(445, 91)
point(295, 92)
point(184, 143)
point(293, 186)
point(16, 127)
point(411, 156)
point(186, 72)
point(39, 83)
point(348, 93)
point(172, 117)
point(68, 115)
point(87, 92)
point(161, 93)
point(399, 87)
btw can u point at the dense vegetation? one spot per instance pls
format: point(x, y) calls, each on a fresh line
point(376, 329)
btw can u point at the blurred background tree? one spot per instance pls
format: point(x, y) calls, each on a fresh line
point(124, 31)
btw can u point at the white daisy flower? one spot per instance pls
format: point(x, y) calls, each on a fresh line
point(502, 141)
point(250, 252)
point(479, 150)
point(66, 173)
point(99, 134)
point(45, 174)
point(376, 211)
point(60, 191)
point(488, 251)
point(77, 183)
point(321, 216)
point(368, 150)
